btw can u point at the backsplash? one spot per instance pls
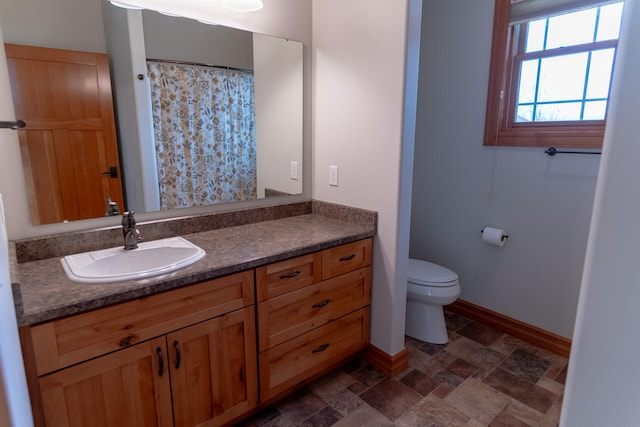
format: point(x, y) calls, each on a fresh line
point(345, 213)
point(37, 248)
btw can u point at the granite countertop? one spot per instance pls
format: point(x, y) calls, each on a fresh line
point(46, 293)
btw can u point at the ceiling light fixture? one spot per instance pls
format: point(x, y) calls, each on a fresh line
point(243, 5)
point(125, 5)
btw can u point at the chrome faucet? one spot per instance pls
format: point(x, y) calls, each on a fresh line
point(130, 232)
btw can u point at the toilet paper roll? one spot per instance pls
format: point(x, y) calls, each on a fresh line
point(494, 236)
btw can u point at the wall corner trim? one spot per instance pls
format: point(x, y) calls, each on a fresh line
point(391, 365)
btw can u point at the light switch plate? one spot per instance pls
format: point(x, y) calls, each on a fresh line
point(294, 170)
point(333, 176)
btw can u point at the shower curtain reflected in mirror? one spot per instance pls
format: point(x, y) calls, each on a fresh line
point(205, 136)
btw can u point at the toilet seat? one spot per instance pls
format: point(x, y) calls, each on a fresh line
point(424, 273)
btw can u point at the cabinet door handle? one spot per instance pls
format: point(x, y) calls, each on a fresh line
point(178, 355)
point(160, 361)
point(348, 258)
point(321, 304)
point(290, 276)
point(320, 349)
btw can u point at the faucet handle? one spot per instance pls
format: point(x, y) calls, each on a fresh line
point(130, 232)
point(128, 219)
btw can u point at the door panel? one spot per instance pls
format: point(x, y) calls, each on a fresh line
point(65, 99)
point(39, 164)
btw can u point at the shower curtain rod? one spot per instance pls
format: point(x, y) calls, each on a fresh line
point(223, 67)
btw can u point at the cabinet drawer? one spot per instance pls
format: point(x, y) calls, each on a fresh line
point(295, 313)
point(345, 258)
point(291, 363)
point(288, 275)
point(67, 341)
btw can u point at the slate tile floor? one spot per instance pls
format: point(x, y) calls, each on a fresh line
point(482, 377)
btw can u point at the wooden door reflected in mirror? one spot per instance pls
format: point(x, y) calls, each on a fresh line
point(68, 147)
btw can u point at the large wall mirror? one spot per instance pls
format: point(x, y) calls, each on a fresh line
point(165, 127)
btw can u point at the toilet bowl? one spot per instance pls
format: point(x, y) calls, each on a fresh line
point(429, 288)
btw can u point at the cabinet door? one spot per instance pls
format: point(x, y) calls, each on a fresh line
point(129, 387)
point(214, 369)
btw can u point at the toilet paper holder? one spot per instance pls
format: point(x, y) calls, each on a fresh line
point(503, 238)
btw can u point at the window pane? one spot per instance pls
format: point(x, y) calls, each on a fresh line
point(562, 77)
point(528, 79)
point(558, 112)
point(595, 110)
point(571, 29)
point(600, 73)
point(609, 23)
point(535, 35)
point(525, 113)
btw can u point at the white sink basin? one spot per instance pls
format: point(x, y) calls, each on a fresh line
point(116, 264)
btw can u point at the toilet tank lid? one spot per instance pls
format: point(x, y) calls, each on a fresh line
point(424, 272)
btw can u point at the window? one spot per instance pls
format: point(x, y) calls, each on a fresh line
point(551, 71)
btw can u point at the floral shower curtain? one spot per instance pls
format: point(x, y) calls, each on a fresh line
point(204, 125)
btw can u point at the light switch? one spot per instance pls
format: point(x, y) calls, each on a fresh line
point(333, 176)
point(294, 170)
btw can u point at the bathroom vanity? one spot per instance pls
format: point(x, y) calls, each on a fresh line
point(272, 305)
point(125, 364)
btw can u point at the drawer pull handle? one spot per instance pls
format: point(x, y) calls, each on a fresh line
point(178, 355)
point(160, 361)
point(321, 304)
point(320, 349)
point(290, 276)
point(348, 258)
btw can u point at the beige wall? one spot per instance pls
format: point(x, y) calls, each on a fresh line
point(184, 39)
point(63, 24)
point(359, 56)
point(278, 89)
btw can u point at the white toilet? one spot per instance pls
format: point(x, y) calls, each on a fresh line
point(429, 288)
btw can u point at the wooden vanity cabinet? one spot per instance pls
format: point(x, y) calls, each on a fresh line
point(201, 370)
point(313, 313)
point(190, 356)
